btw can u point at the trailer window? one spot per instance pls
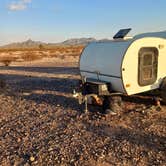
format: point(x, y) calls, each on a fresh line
point(148, 64)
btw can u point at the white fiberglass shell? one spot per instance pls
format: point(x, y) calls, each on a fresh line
point(116, 62)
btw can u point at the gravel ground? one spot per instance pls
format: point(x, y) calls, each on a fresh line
point(41, 124)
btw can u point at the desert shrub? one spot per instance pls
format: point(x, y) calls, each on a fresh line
point(7, 60)
point(75, 55)
point(41, 46)
point(67, 51)
point(51, 51)
point(53, 55)
point(43, 54)
point(30, 56)
point(62, 57)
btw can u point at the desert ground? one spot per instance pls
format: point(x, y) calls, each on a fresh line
point(42, 124)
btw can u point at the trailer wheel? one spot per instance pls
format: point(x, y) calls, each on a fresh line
point(113, 103)
point(106, 104)
point(163, 91)
point(116, 103)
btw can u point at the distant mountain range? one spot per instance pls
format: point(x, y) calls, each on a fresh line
point(30, 43)
point(80, 41)
point(25, 44)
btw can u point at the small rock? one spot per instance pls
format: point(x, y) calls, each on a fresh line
point(19, 140)
point(158, 108)
point(32, 159)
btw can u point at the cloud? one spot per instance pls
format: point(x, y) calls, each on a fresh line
point(18, 6)
point(26, 1)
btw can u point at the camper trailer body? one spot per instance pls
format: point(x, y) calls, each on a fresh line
point(128, 66)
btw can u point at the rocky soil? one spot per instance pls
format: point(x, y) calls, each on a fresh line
point(42, 124)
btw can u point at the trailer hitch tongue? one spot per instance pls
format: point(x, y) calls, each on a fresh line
point(78, 96)
point(82, 99)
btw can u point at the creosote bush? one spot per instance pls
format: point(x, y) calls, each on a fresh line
point(7, 60)
point(30, 56)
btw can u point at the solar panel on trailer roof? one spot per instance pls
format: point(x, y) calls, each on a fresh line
point(122, 33)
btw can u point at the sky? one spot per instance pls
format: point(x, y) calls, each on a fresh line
point(58, 20)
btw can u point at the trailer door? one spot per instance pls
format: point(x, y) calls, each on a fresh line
point(148, 66)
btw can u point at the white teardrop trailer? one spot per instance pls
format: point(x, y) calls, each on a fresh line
point(123, 66)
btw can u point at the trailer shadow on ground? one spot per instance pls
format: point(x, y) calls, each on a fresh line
point(49, 70)
point(51, 90)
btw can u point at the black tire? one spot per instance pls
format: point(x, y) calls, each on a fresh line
point(116, 103)
point(106, 104)
point(113, 103)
